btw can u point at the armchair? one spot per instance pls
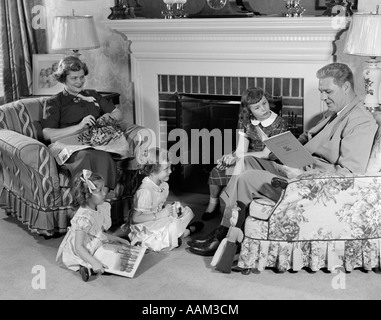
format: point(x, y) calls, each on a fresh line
point(34, 189)
point(323, 220)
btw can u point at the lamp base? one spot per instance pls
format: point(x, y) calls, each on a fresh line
point(372, 79)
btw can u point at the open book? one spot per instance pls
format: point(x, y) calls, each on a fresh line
point(121, 259)
point(289, 150)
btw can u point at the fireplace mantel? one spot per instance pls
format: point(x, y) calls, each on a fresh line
point(260, 47)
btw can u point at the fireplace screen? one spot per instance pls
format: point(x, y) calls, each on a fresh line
point(206, 110)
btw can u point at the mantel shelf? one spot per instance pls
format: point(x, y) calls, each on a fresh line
point(225, 26)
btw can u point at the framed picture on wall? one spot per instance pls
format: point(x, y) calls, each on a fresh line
point(44, 82)
point(321, 4)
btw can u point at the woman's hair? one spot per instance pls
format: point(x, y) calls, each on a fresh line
point(340, 73)
point(251, 96)
point(68, 64)
point(81, 191)
point(155, 158)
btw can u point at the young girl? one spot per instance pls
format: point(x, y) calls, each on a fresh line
point(256, 120)
point(88, 226)
point(154, 224)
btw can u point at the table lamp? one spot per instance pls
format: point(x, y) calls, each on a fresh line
point(364, 39)
point(74, 33)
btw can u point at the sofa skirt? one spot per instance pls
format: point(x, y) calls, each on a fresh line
point(315, 255)
point(44, 221)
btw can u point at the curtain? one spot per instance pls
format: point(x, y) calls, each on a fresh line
point(19, 41)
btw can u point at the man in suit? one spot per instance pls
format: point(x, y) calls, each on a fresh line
point(340, 143)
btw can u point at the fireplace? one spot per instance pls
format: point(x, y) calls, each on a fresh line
point(221, 57)
point(206, 50)
point(197, 103)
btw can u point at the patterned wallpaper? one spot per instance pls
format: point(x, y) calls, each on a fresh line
point(109, 66)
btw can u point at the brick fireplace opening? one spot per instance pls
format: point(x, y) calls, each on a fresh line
point(209, 102)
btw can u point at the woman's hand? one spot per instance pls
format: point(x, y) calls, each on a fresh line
point(226, 161)
point(87, 121)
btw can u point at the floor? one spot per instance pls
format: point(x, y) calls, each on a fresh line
point(29, 272)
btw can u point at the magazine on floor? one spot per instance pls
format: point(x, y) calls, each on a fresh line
point(289, 150)
point(120, 259)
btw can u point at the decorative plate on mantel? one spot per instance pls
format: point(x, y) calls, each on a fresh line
point(225, 9)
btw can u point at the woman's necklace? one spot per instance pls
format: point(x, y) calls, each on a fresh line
point(76, 99)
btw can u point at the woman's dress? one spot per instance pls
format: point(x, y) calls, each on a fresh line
point(64, 110)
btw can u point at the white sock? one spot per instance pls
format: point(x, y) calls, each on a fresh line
point(213, 202)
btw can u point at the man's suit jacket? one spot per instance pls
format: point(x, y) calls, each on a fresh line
point(345, 144)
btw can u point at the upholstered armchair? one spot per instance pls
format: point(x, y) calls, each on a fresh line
point(34, 189)
point(321, 221)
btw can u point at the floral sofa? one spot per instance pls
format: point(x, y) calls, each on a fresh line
point(33, 188)
point(321, 221)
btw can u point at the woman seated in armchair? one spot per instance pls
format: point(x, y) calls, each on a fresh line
point(72, 111)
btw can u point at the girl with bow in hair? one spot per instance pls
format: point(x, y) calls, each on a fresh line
point(88, 226)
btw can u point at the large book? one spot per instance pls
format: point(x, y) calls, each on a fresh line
point(120, 259)
point(289, 150)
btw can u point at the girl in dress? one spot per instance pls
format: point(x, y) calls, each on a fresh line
point(256, 121)
point(154, 224)
point(88, 226)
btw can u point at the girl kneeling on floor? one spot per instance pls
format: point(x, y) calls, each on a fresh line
point(154, 224)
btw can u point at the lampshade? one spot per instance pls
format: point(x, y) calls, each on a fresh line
point(364, 39)
point(74, 33)
point(364, 36)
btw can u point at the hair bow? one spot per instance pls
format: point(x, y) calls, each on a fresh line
point(86, 179)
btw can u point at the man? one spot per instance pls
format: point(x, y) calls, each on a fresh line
point(340, 143)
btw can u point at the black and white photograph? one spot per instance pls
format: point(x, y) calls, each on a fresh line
point(190, 157)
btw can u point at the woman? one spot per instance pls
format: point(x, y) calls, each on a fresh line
point(255, 121)
point(74, 110)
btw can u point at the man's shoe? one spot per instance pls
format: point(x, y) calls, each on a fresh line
point(219, 233)
point(210, 215)
point(207, 250)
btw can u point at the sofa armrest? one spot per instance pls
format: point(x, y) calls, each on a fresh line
point(30, 168)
